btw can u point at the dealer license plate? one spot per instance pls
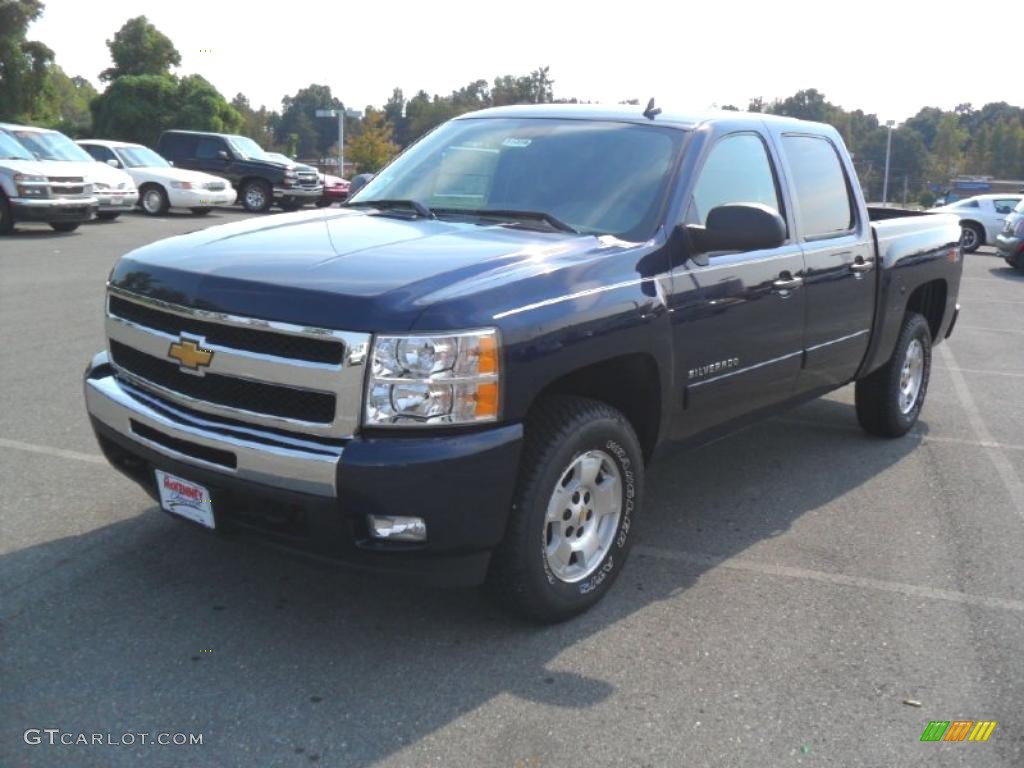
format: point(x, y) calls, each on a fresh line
point(184, 498)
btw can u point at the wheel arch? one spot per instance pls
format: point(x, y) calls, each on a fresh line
point(929, 300)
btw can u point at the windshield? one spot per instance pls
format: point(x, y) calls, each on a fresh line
point(597, 177)
point(277, 157)
point(247, 148)
point(141, 157)
point(11, 149)
point(50, 145)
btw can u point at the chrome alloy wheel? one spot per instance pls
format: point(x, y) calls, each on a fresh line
point(582, 516)
point(968, 238)
point(152, 201)
point(911, 376)
point(255, 197)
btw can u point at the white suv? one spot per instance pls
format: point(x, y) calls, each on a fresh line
point(115, 191)
point(161, 185)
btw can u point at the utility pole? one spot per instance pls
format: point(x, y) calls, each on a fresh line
point(341, 114)
point(888, 151)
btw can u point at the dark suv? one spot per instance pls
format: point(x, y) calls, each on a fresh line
point(259, 179)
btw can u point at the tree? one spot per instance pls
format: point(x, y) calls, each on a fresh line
point(372, 147)
point(23, 63)
point(257, 124)
point(64, 103)
point(139, 107)
point(298, 117)
point(947, 151)
point(139, 48)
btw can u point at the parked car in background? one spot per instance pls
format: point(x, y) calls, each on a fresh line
point(336, 190)
point(1010, 241)
point(161, 185)
point(259, 179)
point(114, 190)
point(30, 190)
point(981, 217)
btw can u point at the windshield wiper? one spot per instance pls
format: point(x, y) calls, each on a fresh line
point(415, 205)
point(517, 216)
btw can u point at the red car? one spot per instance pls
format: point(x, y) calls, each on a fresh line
point(335, 190)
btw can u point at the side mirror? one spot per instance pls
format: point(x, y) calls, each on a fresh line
point(223, 154)
point(737, 227)
point(358, 182)
point(113, 163)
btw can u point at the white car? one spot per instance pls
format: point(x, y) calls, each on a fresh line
point(981, 217)
point(161, 185)
point(114, 190)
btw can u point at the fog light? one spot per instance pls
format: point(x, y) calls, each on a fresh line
point(398, 528)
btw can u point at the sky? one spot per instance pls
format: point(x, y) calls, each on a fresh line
point(887, 58)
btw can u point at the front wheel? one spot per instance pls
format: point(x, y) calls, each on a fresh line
point(890, 399)
point(154, 200)
point(6, 219)
point(256, 196)
point(580, 485)
point(64, 226)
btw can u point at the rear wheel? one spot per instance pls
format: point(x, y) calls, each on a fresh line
point(153, 200)
point(581, 481)
point(256, 196)
point(889, 401)
point(972, 237)
point(107, 215)
point(64, 226)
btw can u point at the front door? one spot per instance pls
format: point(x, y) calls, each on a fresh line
point(738, 320)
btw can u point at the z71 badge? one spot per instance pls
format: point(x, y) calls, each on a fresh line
point(706, 370)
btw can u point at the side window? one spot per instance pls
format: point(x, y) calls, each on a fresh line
point(823, 194)
point(208, 148)
point(96, 152)
point(1005, 206)
point(737, 170)
point(177, 146)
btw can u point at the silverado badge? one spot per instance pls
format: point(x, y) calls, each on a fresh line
point(189, 353)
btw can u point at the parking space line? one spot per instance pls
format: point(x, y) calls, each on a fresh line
point(46, 450)
point(925, 438)
point(1013, 374)
point(985, 328)
point(1007, 473)
point(823, 577)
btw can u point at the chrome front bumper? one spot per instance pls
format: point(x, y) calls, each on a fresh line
point(268, 458)
point(306, 193)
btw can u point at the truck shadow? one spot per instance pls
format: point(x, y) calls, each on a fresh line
point(156, 626)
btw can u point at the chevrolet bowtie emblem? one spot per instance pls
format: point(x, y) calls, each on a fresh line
point(190, 354)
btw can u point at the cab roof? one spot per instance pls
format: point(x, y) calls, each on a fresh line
point(634, 113)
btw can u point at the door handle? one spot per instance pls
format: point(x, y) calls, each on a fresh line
point(862, 265)
point(787, 283)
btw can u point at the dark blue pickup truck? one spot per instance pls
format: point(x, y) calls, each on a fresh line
point(463, 373)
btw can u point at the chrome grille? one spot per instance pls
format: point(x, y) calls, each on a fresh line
point(214, 186)
point(264, 373)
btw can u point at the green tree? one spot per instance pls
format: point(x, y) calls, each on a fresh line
point(947, 151)
point(372, 147)
point(257, 124)
point(23, 63)
point(64, 103)
point(139, 48)
point(298, 116)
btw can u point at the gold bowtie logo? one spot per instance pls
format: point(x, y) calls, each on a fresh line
point(189, 354)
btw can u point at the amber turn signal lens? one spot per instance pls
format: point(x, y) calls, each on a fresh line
point(487, 400)
point(488, 355)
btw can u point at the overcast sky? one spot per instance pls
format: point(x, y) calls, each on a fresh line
point(890, 58)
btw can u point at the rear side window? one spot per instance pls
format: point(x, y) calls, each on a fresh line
point(178, 146)
point(737, 171)
point(822, 192)
point(1005, 206)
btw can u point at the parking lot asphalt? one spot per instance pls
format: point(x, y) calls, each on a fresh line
point(793, 587)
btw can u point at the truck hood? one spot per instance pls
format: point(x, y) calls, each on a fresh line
point(44, 167)
point(349, 269)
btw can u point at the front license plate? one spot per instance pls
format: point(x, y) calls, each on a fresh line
point(184, 498)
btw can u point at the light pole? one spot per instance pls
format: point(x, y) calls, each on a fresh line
point(341, 114)
point(888, 151)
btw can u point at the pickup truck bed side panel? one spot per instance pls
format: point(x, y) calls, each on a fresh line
point(907, 259)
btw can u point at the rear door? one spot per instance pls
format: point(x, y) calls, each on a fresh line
point(738, 320)
point(839, 282)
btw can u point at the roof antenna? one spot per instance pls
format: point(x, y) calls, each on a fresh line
point(652, 111)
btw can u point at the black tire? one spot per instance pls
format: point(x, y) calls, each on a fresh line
point(878, 396)
point(323, 203)
point(256, 196)
point(972, 236)
point(153, 199)
point(64, 226)
point(6, 217)
point(200, 211)
point(107, 215)
point(560, 431)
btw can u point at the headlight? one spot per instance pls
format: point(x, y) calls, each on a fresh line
point(433, 380)
point(181, 184)
point(30, 177)
point(31, 185)
point(99, 186)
